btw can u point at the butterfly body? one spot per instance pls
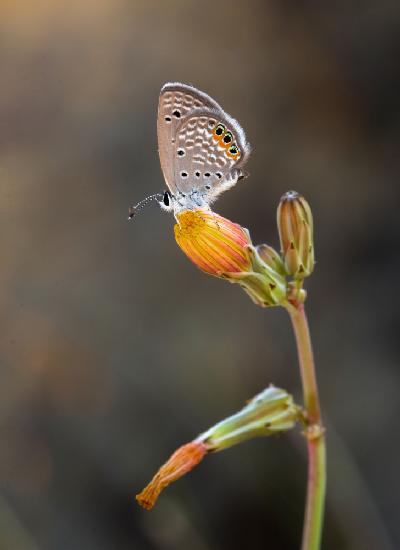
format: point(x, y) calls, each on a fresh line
point(202, 149)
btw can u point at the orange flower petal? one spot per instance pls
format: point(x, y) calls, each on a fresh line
point(180, 463)
point(213, 243)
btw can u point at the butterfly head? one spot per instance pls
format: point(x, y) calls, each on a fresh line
point(167, 201)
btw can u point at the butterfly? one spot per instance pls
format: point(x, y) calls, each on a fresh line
point(202, 149)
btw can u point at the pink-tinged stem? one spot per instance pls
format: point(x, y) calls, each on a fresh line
point(316, 484)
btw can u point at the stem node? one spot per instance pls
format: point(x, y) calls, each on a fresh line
point(314, 432)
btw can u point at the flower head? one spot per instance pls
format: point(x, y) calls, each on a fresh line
point(295, 225)
point(224, 249)
point(269, 412)
point(215, 244)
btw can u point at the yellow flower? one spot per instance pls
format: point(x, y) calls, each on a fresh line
point(216, 245)
point(224, 249)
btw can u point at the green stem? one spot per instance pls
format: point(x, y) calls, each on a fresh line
point(314, 433)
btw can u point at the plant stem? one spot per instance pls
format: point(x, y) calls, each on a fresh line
point(314, 432)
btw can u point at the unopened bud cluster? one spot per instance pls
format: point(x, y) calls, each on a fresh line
point(224, 249)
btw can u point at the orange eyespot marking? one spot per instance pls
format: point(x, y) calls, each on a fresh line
point(226, 140)
point(218, 132)
point(233, 152)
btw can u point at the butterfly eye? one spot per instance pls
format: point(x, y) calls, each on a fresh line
point(233, 151)
point(166, 199)
point(219, 130)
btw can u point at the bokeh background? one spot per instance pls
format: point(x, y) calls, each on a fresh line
point(115, 350)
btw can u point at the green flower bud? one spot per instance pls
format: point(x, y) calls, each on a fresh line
point(295, 225)
point(271, 257)
point(263, 283)
point(269, 412)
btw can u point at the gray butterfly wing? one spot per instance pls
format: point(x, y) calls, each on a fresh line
point(203, 162)
point(191, 157)
point(176, 102)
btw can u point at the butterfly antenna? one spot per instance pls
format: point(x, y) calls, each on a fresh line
point(133, 210)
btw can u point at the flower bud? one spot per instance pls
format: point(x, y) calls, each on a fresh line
point(271, 257)
point(269, 412)
point(295, 225)
point(216, 245)
point(224, 249)
point(264, 285)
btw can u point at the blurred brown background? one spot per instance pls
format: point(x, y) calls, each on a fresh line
point(114, 349)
